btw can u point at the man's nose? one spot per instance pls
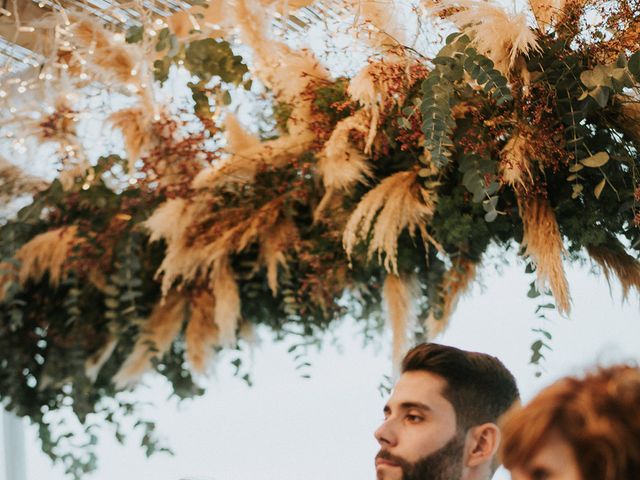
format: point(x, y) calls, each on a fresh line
point(385, 434)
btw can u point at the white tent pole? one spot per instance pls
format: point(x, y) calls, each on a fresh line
point(14, 447)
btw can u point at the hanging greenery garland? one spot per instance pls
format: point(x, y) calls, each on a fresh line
point(390, 185)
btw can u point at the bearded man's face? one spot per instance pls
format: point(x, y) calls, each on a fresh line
point(418, 438)
point(443, 464)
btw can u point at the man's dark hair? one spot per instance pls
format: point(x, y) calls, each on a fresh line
point(479, 386)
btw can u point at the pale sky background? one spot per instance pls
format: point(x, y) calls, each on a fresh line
point(288, 428)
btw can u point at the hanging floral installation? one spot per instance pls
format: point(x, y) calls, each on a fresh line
point(283, 196)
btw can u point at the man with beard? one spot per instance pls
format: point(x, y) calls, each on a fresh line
point(440, 421)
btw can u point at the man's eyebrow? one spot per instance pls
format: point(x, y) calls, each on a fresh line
point(408, 406)
point(418, 405)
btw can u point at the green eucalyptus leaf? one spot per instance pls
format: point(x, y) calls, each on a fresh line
point(634, 65)
point(598, 190)
point(404, 123)
point(576, 190)
point(600, 76)
point(533, 291)
point(134, 34)
point(596, 161)
point(491, 216)
point(600, 95)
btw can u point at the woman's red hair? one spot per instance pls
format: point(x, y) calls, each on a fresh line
point(598, 415)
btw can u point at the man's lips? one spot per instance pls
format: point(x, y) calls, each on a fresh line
point(384, 462)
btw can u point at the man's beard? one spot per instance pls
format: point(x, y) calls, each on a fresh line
point(443, 464)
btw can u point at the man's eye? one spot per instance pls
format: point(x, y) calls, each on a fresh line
point(414, 418)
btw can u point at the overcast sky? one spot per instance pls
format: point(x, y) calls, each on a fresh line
point(288, 428)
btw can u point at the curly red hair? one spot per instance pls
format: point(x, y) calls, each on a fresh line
point(598, 415)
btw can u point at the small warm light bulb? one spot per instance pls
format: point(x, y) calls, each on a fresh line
point(86, 186)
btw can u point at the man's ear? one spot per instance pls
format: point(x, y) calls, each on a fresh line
point(482, 444)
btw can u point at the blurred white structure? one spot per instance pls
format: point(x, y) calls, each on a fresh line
point(12, 453)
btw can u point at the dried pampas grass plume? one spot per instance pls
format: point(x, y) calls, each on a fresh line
point(386, 23)
point(57, 126)
point(201, 334)
point(241, 168)
point(455, 283)
point(495, 33)
point(188, 258)
point(613, 259)
point(94, 364)
point(515, 167)
point(341, 164)
point(108, 59)
point(287, 72)
point(15, 182)
point(376, 88)
point(543, 244)
point(399, 295)
point(156, 336)
point(238, 139)
point(47, 253)
point(135, 125)
point(169, 220)
point(398, 202)
point(227, 306)
point(546, 11)
point(274, 244)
